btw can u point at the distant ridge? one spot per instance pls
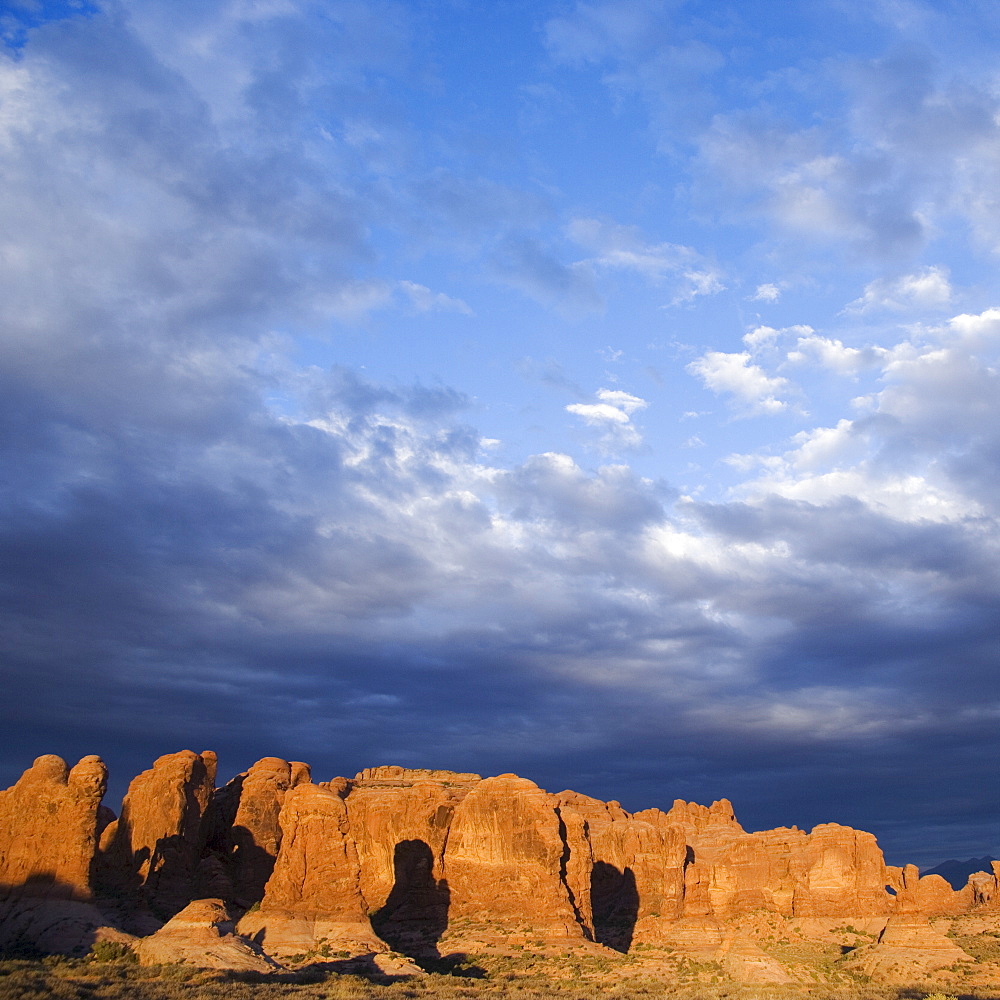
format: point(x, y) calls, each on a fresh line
point(957, 872)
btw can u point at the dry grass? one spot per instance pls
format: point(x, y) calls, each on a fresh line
point(524, 978)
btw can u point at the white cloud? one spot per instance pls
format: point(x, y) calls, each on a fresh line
point(907, 453)
point(763, 337)
point(735, 375)
point(766, 293)
point(925, 289)
point(622, 248)
point(834, 356)
point(424, 300)
point(612, 416)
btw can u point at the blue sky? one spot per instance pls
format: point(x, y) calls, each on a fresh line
point(605, 392)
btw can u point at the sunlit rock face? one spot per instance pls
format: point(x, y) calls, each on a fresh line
point(400, 820)
point(313, 897)
point(49, 827)
point(428, 863)
point(203, 935)
point(151, 853)
point(505, 860)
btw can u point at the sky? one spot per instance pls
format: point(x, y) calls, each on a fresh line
point(602, 391)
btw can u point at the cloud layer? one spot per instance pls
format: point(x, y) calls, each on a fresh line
point(210, 539)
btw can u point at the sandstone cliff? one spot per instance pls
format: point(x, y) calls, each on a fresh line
point(49, 828)
point(313, 898)
point(400, 820)
point(430, 862)
point(506, 861)
point(151, 853)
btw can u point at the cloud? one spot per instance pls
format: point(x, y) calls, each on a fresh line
point(621, 248)
point(928, 288)
point(530, 266)
point(766, 293)
point(424, 300)
point(752, 389)
point(908, 451)
point(612, 416)
point(833, 355)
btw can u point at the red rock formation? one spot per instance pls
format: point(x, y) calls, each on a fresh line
point(982, 891)
point(202, 934)
point(151, 852)
point(313, 898)
point(908, 946)
point(49, 827)
point(935, 897)
point(705, 822)
point(833, 871)
point(399, 819)
point(246, 834)
point(505, 861)
point(438, 856)
point(637, 879)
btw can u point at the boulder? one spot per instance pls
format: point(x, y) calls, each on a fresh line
point(202, 934)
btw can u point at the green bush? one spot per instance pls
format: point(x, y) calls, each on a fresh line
point(111, 951)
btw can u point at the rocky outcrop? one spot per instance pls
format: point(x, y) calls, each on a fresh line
point(832, 871)
point(908, 946)
point(49, 828)
point(203, 935)
point(637, 873)
point(151, 853)
point(400, 820)
point(425, 862)
point(983, 889)
point(245, 832)
point(506, 861)
point(313, 899)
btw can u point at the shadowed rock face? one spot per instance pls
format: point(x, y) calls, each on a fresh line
point(49, 828)
point(245, 831)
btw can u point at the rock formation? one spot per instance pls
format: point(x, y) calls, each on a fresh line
point(49, 828)
point(151, 853)
point(431, 862)
point(506, 861)
point(49, 825)
point(313, 898)
point(400, 820)
point(202, 934)
point(245, 833)
point(908, 945)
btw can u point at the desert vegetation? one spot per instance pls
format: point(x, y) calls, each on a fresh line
point(115, 975)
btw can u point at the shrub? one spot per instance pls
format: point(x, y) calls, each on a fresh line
point(111, 951)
